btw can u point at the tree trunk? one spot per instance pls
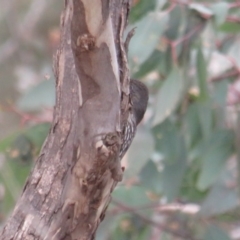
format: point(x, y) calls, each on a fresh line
point(68, 191)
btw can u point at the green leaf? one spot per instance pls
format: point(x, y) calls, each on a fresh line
point(151, 178)
point(189, 192)
point(168, 96)
point(219, 96)
point(131, 228)
point(226, 199)
point(171, 145)
point(201, 9)
point(21, 149)
point(215, 233)
point(205, 117)
point(140, 151)
point(6, 142)
point(220, 11)
point(192, 127)
point(160, 3)
point(148, 33)
point(151, 64)
point(193, 20)
point(35, 135)
point(107, 226)
point(174, 170)
point(214, 156)
point(202, 75)
point(13, 175)
point(230, 27)
point(166, 236)
point(220, 93)
point(131, 196)
point(176, 23)
point(42, 95)
point(141, 9)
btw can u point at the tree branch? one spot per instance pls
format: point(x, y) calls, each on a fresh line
point(69, 189)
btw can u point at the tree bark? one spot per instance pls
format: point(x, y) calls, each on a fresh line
point(69, 189)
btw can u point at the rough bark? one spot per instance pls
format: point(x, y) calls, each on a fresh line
point(68, 191)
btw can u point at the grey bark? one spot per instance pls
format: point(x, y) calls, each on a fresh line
point(69, 189)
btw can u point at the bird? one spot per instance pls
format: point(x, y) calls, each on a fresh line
point(138, 105)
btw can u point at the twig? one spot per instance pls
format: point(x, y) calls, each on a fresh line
point(233, 73)
point(234, 5)
point(233, 19)
point(152, 222)
point(174, 44)
point(128, 38)
point(27, 117)
point(228, 19)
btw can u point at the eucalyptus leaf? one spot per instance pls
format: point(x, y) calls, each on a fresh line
point(215, 233)
point(205, 116)
point(214, 156)
point(107, 226)
point(174, 170)
point(151, 178)
point(176, 20)
point(220, 93)
point(131, 196)
point(151, 64)
point(171, 145)
point(192, 126)
point(202, 75)
point(168, 96)
point(225, 197)
point(160, 3)
point(140, 9)
point(230, 27)
point(220, 11)
point(140, 151)
point(35, 134)
point(148, 32)
point(201, 8)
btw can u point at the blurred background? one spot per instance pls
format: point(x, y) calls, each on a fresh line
point(182, 178)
